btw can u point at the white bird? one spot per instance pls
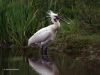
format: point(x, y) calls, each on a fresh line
point(44, 68)
point(45, 35)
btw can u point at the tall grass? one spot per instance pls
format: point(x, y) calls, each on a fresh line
point(20, 19)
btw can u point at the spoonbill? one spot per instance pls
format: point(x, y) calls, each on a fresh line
point(46, 35)
point(43, 67)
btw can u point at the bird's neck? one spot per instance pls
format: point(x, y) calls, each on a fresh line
point(56, 25)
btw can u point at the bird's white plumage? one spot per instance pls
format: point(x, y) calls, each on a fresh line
point(52, 14)
point(45, 35)
point(42, 36)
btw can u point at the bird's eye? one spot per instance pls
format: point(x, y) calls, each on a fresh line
point(57, 17)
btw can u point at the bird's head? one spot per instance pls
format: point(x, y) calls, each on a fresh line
point(54, 17)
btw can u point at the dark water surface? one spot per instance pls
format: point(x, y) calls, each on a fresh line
point(13, 62)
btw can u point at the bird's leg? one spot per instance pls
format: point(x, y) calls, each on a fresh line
point(44, 53)
point(42, 50)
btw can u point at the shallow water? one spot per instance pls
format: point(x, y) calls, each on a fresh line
point(13, 62)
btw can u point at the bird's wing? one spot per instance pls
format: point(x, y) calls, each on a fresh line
point(40, 36)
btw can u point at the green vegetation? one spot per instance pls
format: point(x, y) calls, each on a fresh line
point(78, 41)
point(20, 19)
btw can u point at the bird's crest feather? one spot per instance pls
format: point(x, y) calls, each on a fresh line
point(51, 13)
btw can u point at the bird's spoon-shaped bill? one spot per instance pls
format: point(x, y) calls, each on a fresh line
point(64, 20)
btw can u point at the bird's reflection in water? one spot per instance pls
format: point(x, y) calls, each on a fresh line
point(43, 67)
